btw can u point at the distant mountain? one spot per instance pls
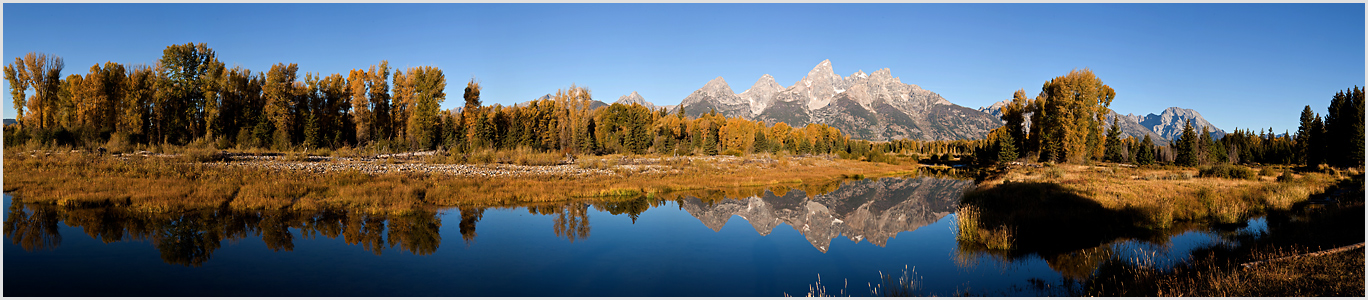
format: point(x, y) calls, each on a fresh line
point(717, 96)
point(874, 106)
point(873, 210)
point(1169, 124)
point(634, 98)
point(1130, 126)
point(8, 122)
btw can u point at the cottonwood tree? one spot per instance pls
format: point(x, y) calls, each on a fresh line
point(43, 73)
point(428, 85)
point(1071, 117)
point(281, 102)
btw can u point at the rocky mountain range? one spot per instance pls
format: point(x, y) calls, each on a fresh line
point(1169, 124)
point(874, 106)
point(873, 210)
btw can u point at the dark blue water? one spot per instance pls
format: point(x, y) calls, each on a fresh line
point(759, 246)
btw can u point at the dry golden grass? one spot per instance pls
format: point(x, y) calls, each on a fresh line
point(1173, 192)
point(968, 230)
point(156, 184)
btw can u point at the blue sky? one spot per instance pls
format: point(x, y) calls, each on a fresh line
point(1240, 65)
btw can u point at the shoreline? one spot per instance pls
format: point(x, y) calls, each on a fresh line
point(161, 183)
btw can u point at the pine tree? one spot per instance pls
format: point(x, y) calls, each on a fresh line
point(1185, 147)
point(1113, 145)
point(1145, 154)
point(1006, 149)
point(1304, 136)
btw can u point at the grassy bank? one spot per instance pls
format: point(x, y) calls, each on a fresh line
point(1069, 214)
point(1112, 200)
point(164, 184)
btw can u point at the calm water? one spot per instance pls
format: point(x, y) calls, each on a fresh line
point(756, 246)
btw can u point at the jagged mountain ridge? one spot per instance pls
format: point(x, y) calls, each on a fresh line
point(862, 210)
point(874, 106)
point(1169, 124)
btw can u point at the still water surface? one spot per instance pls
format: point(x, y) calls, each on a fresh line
point(769, 245)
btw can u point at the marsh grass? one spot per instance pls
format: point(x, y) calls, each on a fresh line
point(1230, 172)
point(173, 183)
point(1030, 209)
point(970, 229)
point(1223, 271)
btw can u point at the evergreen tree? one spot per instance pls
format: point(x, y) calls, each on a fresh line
point(1006, 149)
point(1344, 128)
point(1113, 145)
point(1145, 153)
point(1185, 147)
point(1304, 136)
point(1204, 147)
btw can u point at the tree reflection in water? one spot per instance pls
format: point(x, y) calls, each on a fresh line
point(34, 230)
point(190, 238)
point(469, 216)
point(872, 210)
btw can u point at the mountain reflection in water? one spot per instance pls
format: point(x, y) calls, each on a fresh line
point(871, 209)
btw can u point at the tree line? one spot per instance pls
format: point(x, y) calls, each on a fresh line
point(190, 96)
point(1067, 118)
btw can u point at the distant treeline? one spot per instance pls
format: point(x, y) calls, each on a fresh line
point(1067, 126)
point(189, 96)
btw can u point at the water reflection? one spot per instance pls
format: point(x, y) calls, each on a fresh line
point(190, 238)
point(872, 210)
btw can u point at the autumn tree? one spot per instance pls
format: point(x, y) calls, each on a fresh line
point(43, 73)
point(1014, 115)
point(361, 113)
point(428, 85)
point(137, 100)
point(401, 101)
point(1071, 118)
point(281, 102)
point(239, 104)
point(471, 115)
point(377, 84)
point(184, 67)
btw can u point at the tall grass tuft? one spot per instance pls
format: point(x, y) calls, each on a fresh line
point(970, 229)
point(1228, 171)
point(1281, 196)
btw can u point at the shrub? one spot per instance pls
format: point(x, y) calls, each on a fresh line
point(1228, 171)
point(1268, 171)
point(204, 155)
point(1286, 176)
point(1054, 173)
